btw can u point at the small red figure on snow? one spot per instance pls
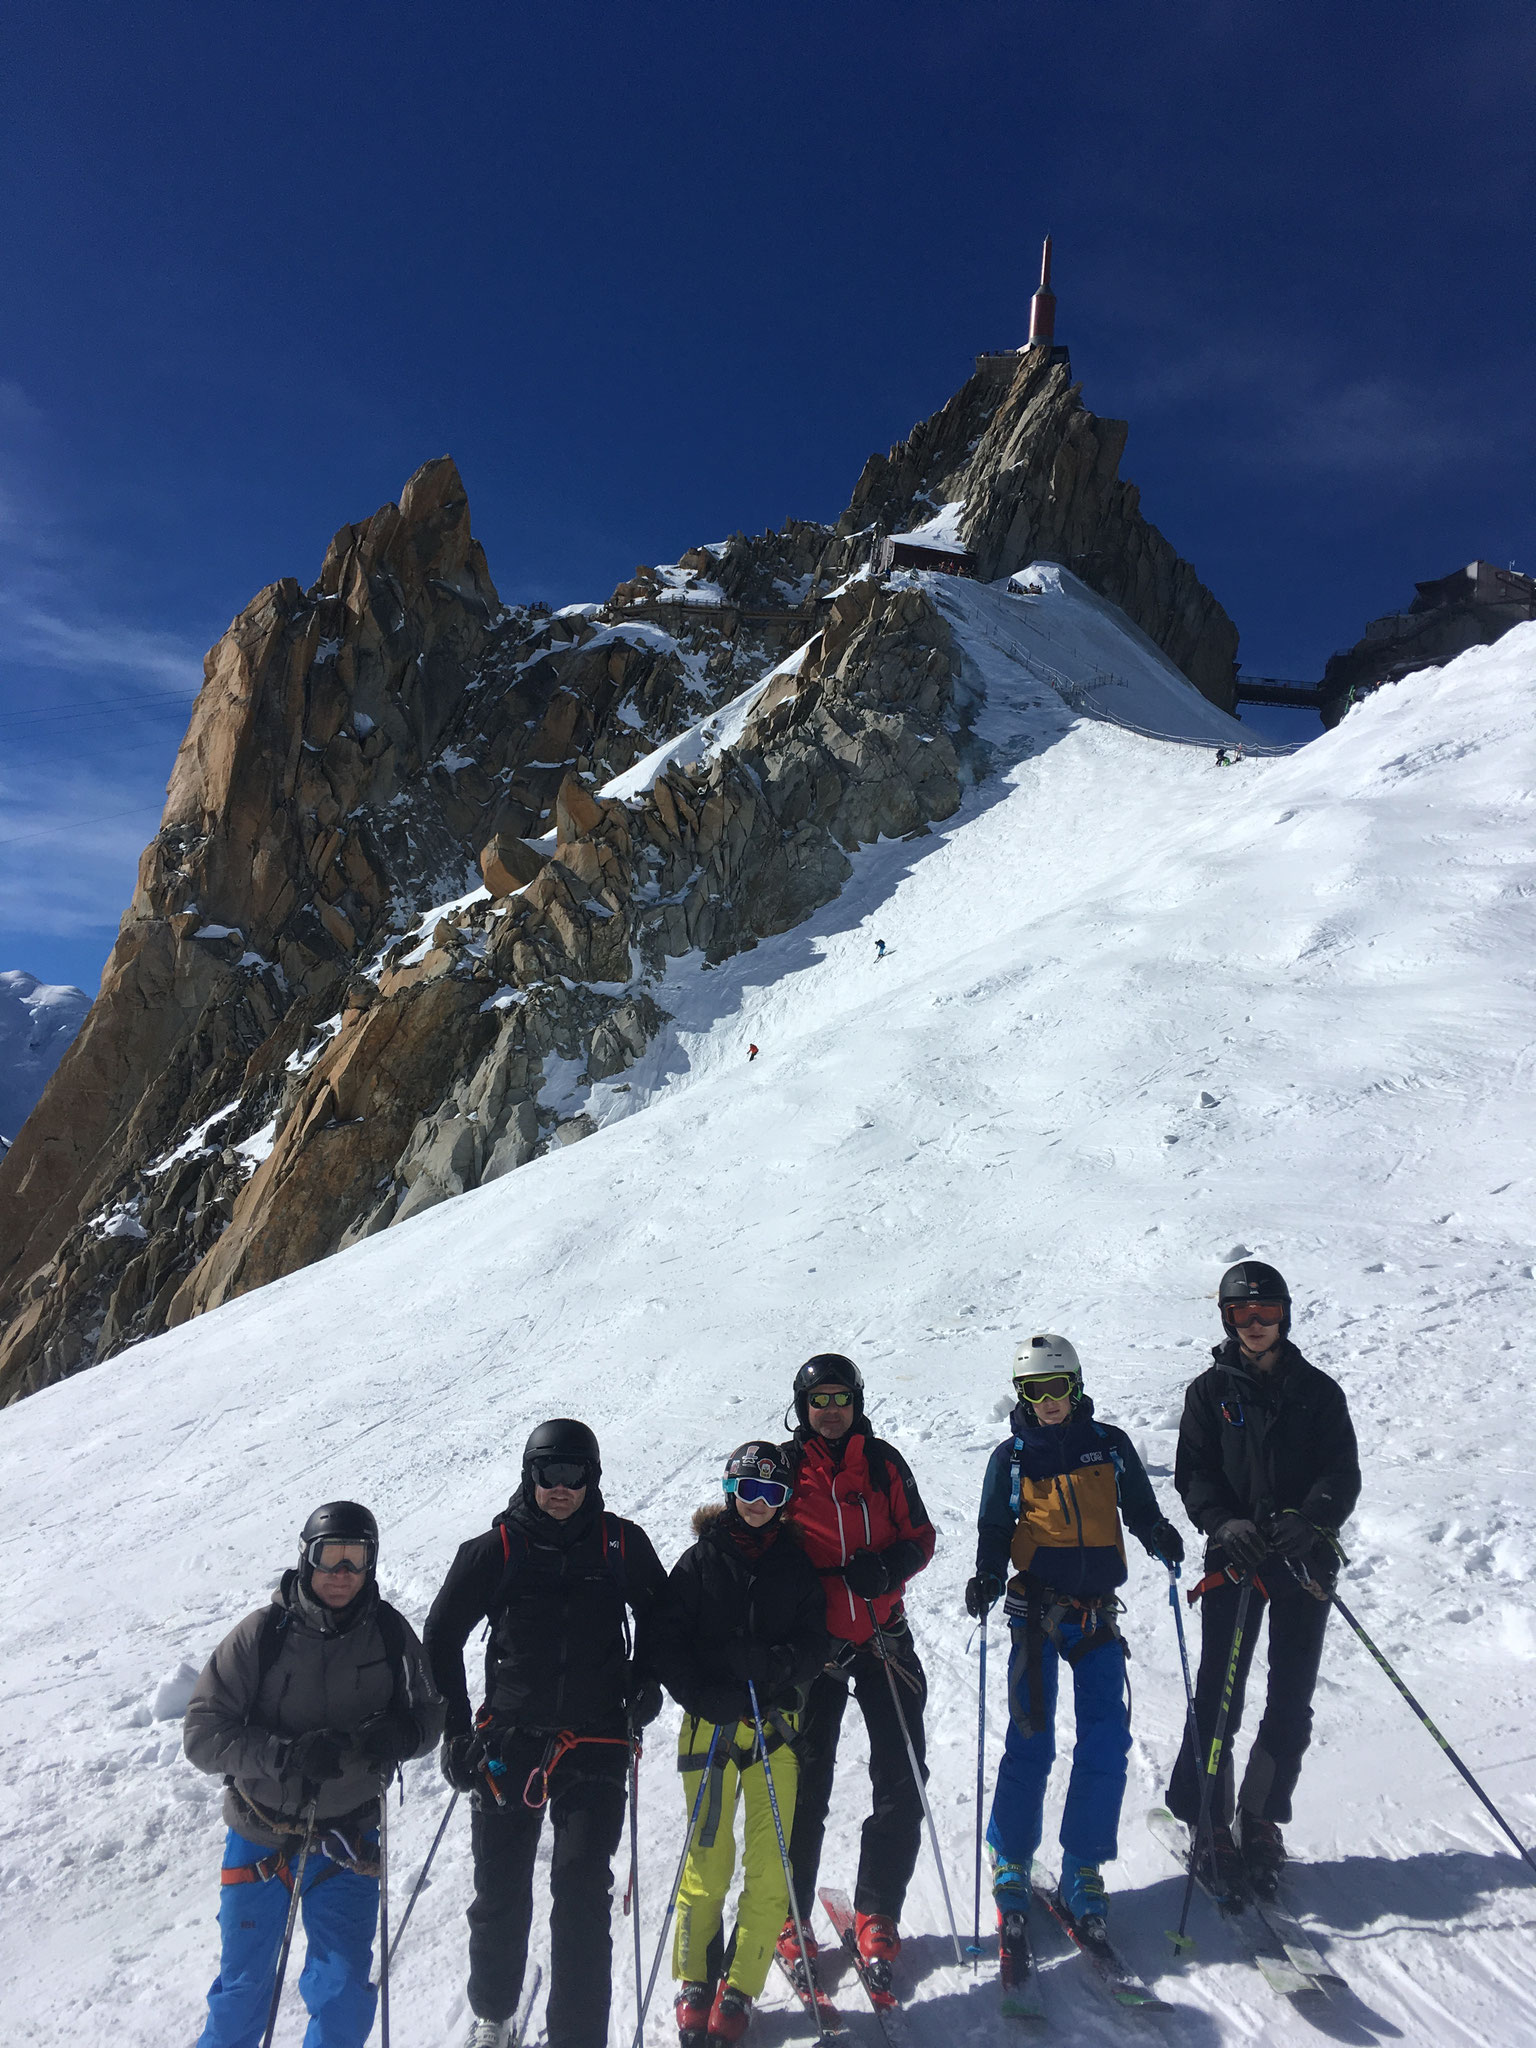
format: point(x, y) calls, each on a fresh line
point(751, 1054)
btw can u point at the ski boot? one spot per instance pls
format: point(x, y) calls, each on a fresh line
point(879, 1944)
point(1081, 1892)
point(1263, 1850)
point(731, 2014)
point(488, 2034)
point(788, 1945)
point(1218, 1864)
point(691, 2005)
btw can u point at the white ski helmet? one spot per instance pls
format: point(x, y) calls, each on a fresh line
point(1045, 1354)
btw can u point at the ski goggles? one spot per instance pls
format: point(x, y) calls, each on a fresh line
point(330, 1554)
point(565, 1472)
point(773, 1491)
point(835, 1397)
point(1054, 1386)
point(1267, 1312)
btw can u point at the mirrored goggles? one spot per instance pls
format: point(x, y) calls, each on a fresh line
point(1055, 1386)
point(831, 1397)
point(1268, 1312)
point(773, 1491)
point(566, 1472)
point(329, 1554)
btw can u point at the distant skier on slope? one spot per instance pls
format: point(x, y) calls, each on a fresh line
point(858, 1512)
point(1267, 1468)
point(751, 1054)
point(1051, 1509)
point(319, 1696)
point(744, 1603)
point(879, 949)
point(1222, 759)
point(553, 1577)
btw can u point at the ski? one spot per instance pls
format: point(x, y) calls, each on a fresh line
point(823, 2014)
point(1123, 1985)
point(887, 2006)
point(1299, 1943)
point(1292, 1975)
point(1020, 1995)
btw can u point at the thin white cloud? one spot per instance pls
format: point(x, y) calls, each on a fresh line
point(44, 639)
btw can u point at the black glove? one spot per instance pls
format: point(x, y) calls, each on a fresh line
point(1166, 1542)
point(315, 1758)
point(1291, 1535)
point(982, 1593)
point(645, 1703)
point(463, 1760)
point(384, 1743)
point(865, 1574)
point(1242, 1542)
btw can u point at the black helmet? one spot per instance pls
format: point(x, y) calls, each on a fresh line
point(1252, 1280)
point(827, 1368)
point(339, 1521)
point(562, 1442)
point(759, 1460)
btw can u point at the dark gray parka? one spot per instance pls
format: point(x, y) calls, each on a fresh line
point(330, 1670)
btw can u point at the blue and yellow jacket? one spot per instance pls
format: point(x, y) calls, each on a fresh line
point(1052, 1502)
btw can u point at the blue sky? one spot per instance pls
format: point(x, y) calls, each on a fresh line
point(653, 274)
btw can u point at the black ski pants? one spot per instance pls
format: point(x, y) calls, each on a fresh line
point(586, 1810)
point(893, 1833)
point(1296, 1625)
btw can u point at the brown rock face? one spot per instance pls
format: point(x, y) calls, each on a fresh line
point(1039, 476)
point(314, 1024)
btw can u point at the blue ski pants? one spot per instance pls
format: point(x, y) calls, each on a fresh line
point(339, 1909)
point(1091, 1820)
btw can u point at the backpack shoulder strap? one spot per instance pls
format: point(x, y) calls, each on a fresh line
point(269, 1647)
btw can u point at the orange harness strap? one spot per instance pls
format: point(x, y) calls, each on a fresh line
point(1226, 1578)
point(561, 1745)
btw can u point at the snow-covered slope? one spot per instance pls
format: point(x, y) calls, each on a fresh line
point(1138, 1015)
point(37, 1021)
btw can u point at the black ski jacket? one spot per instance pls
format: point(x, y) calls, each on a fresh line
point(559, 1653)
point(731, 1616)
point(1253, 1444)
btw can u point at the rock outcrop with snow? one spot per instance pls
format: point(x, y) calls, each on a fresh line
point(316, 1021)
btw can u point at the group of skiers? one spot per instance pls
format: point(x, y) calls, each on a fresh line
point(790, 1599)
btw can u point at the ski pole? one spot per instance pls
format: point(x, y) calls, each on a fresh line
point(677, 1883)
point(917, 1779)
point(632, 1897)
point(416, 1888)
point(981, 1790)
point(308, 1818)
point(1205, 1827)
point(1190, 1722)
point(789, 1875)
point(384, 1918)
point(1318, 1593)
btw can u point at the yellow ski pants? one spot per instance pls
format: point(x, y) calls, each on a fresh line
point(764, 1903)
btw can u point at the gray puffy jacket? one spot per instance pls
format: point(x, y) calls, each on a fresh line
point(328, 1671)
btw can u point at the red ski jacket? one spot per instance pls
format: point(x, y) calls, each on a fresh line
point(859, 1496)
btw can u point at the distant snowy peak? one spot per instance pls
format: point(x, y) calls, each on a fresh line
point(37, 1021)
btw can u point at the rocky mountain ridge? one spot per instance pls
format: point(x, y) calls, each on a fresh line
point(283, 1058)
